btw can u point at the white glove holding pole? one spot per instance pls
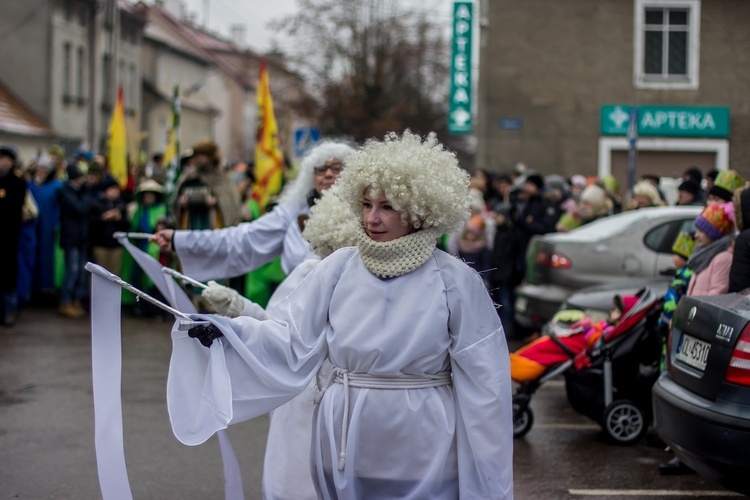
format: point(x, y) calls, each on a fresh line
point(225, 301)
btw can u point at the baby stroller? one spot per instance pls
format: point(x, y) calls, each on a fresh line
point(610, 381)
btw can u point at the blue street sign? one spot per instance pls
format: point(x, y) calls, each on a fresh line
point(304, 140)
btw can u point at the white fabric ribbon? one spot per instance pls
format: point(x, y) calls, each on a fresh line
point(106, 367)
point(112, 405)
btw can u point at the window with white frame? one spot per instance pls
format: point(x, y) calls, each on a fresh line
point(667, 43)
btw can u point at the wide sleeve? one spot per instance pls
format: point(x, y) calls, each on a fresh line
point(482, 385)
point(257, 366)
point(233, 251)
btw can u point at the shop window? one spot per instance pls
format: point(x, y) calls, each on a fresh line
point(667, 43)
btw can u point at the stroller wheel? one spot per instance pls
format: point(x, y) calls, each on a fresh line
point(624, 422)
point(522, 420)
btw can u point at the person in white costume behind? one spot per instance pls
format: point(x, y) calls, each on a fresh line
point(418, 404)
point(237, 250)
point(286, 465)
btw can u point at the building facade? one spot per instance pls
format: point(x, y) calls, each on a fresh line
point(558, 79)
point(58, 60)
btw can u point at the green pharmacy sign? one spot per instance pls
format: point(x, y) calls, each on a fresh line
point(459, 112)
point(667, 121)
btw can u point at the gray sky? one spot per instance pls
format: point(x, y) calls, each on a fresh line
point(255, 15)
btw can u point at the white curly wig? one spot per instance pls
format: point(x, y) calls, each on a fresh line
point(421, 179)
point(296, 191)
point(331, 225)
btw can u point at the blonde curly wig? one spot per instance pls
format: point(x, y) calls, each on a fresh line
point(420, 178)
point(331, 225)
point(296, 191)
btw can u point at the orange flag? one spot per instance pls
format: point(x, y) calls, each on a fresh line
point(269, 160)
point(117, 150)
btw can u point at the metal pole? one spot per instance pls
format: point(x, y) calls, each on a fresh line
point(180, 276)
point(632, 147)
point(100, 271)
point(136, 236)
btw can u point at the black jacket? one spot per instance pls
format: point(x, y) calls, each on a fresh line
point(75, 205)
point(101, 231)
point(739, 274)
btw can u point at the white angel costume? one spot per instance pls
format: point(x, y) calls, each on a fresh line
point(234, 251)
point(419, 402)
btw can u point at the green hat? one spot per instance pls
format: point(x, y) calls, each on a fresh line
point(726, 184)
point(683, 245)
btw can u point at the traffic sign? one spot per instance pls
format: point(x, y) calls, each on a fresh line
point(305, 139)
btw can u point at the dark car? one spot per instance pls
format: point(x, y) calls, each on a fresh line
point(627, 247)
point(702, 405)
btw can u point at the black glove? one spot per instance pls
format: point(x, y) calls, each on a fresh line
point(205, 334)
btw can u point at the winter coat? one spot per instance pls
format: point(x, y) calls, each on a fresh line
point(13, 195)
point(75, 204)
point(739, 275)
point(101, 230)
point(714, 279)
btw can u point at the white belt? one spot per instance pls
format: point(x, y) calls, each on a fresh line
point(366, 381)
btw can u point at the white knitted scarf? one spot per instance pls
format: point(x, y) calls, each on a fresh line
point(393, 258)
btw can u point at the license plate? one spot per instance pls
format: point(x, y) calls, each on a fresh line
point(693, 352)
point(521, 304)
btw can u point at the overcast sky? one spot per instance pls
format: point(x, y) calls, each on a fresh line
point(255, 15)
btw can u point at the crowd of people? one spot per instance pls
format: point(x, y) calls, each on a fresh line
point(375, 215)
point(60, 213)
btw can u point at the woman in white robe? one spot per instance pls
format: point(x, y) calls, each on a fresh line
point(419, 405)
point(237, 250)
point(286, 464)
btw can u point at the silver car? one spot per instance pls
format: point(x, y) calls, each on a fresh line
point(622, 248)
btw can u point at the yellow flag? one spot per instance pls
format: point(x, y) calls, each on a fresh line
point(269, 160)
point(117, 151)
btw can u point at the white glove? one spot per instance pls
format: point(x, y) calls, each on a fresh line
point(225, 301)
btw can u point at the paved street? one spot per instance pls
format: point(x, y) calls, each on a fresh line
point(47, 435)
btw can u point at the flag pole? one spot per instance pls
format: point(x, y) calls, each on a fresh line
point(188, 322)
point(180, 276)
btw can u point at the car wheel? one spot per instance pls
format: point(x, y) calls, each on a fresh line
point(624, 422)
point(522, 421)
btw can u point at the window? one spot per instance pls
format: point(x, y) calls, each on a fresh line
point(131, 87)
point(667, 43)
point(107, 82)
point(66, 72)
point(80, 74)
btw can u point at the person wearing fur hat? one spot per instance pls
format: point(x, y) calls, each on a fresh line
point(286, 465)
point(205, 197)
point(207, 255)
point(416, 345)
point(645, 195)
point(739, 274)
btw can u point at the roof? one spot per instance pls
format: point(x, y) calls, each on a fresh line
point(17, 118)
point(164, 28)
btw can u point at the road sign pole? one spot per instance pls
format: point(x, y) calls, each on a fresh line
point(632, 147)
